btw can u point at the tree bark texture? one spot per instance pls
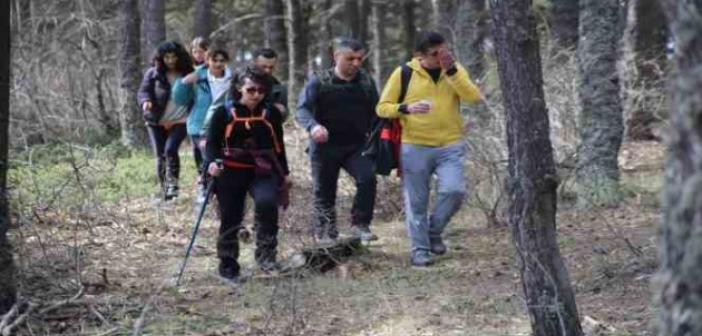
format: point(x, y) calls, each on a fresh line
point(648, 34)
point(680, 274)
point(154, 27)
point(7, 271)
point(275, 35)
point(378, 47)
point(297, 28)
point(444, 18)
point(600, 124)
point(409, 26)
point(471, 29)
point(352, 22)
point(326, 35)
point(202, 20)
point(130, 74)
point(532, 173)
point(562, 17)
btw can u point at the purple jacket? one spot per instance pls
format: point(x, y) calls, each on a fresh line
point(156, 89)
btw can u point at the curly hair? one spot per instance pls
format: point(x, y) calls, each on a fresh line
point(184, 65)
point(254, 74)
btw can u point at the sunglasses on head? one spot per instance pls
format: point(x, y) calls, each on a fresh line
point(252, 90)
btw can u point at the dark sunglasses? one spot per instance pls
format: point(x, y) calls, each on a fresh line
point(253, 90)
point(219, 60)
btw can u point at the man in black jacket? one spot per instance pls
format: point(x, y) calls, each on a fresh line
point(337, 108)
point(266, 59)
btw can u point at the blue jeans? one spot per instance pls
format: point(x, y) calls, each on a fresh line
point(419, 163)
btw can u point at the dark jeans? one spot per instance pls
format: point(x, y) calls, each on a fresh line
point(165, 144)
point(197, 153)
point(231, 188)
point(327, 160)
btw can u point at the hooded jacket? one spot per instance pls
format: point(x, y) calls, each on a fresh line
point(442, 125)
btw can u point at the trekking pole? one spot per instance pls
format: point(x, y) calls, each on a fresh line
point(201, 213)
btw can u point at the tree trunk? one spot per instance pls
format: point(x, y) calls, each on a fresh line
point(563, 24)
point(444, 18)
point(326, 34)
point(680, 275)
point(409, 26)
point(202, 21)
point(352, 22)
point(600, 125)
point(648, 34)
point(7, 274)
point(364, 13)
point(378, 43)
point(532, 173)
point(153, 26)
point(275, 35)
point(470, 33)
point(130, 116)
point(297, 28)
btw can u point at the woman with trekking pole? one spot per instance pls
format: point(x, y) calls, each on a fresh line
point(246, 136)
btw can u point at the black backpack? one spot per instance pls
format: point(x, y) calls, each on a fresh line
point(380, 146)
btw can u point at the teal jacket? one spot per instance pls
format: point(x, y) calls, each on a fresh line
point(199, 97)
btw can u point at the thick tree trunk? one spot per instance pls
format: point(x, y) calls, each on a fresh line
point(275, 35)
point(378, 47)
point(680, 276)
point(532, 173)
point(409, 26)
point(563, 24)
point(470, 31)
point(7, 275)
point(352, 24)
point(364, 13)
point(326, 34)
point(648, 35)
point(202, 21)
point(444, 18)
point(130, 63)
point(153, 27)
point(297, 28)
point(600, 125)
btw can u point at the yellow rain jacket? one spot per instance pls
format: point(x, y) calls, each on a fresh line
point(442, 125)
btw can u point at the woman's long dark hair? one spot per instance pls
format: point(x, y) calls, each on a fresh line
point(184, 65)
point(255, 75)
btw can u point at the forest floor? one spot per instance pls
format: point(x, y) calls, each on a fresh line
point(122, 267)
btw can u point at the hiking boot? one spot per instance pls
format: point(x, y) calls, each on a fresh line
point(421, 259)
point(363, 232)
point(171, 190)
point(229, 269)
point(437, 245)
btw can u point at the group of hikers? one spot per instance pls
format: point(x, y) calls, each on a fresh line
point(235, 123)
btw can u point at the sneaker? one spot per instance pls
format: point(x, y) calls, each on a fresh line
point(437, 246)
point(421, 259)
point(324, 241)
point(364, 233)
point(268, 265)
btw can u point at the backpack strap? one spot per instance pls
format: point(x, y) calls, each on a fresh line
point(405, 77)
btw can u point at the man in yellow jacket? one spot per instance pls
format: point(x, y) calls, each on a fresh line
point(432, 140)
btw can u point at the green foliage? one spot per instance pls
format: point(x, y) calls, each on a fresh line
point(67, 175)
